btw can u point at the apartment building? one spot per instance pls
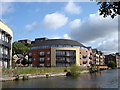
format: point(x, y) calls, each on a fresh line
point(113, 57)
point(59, 53)
point(118, 60)
point(98, 57)
point(110, 57)
point(5, 45)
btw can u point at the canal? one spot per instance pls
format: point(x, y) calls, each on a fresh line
point(103, 79)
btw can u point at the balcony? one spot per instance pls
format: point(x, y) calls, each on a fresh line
point(84, 61)
point(60, 61)
point(5, 44)
point(84, 56)
point(90, 57)
point(5, 56)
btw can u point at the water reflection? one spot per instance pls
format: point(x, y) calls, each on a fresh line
point(104, 79)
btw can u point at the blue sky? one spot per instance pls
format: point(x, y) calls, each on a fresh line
point(68, 20)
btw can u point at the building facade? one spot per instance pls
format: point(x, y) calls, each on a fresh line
point(59, 53)
point(5, 45)
point(118, 60)
point(110, 57)
point(98, 57)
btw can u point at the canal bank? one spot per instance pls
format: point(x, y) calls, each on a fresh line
point(103, 79)
point(31, 76)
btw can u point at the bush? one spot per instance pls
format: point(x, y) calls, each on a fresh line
point(17, 77)
point(65, 70)
point(74, 71)
point(25, 77)
point(111, 64)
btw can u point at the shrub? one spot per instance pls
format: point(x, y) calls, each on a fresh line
point(17, 77)
point(111, 64)
point(25, 77)
point(74, 71)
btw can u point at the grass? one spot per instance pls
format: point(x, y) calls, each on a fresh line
point(35, 70)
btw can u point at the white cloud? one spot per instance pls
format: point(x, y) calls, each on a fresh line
point(75, 24)
point(5, 8)
point(54, 21)
point(65, 36)
point(96, 30)
point(31, 26)
point(72, 8)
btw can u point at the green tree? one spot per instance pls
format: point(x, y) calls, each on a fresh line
point(111, 64)
point(109, 8)
point(19, 48)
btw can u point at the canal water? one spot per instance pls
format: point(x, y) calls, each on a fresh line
point(103, 79)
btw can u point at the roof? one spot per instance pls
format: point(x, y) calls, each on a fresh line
point(58, 42)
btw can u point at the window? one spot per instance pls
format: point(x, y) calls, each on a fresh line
point(30, 59)
point(30, 54)
point(42, 54)
point(3, 36)
point(48, 58)
point(7, 40)
point(41, 59)
point(48, 52)
point(42, 65)
point(2, 50)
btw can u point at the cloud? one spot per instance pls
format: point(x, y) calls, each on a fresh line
point(72, 8)
point(32, 26)
point(54, 21)
point(5, 8)
point(65, 36)
point(94, 30)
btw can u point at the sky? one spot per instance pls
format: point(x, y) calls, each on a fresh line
point(78, 21)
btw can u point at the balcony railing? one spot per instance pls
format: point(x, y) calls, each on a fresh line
point(69, 55)
point(65, 61)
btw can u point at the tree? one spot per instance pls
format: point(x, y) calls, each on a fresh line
point(109, 8)
point(19, 48)
point(111, 64)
